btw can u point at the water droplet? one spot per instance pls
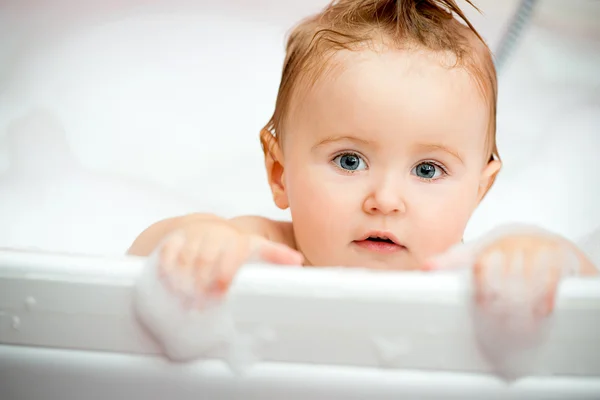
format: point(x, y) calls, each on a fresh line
point(16, 322)
point(30, 302)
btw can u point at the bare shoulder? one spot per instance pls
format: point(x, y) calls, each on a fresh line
point(273, 230)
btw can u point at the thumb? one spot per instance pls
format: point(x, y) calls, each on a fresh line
point(458, 257)
point(277, 253)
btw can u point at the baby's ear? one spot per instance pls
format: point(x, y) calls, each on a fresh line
point(488, 176)
point(274, 167)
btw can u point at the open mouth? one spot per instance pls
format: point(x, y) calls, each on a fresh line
point(379, 242)
point(380, 239)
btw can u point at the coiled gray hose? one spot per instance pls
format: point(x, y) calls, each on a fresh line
point(514, 32)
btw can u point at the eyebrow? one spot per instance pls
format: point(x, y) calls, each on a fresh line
point(434, 146)
point(425, 146)
point(332, 139)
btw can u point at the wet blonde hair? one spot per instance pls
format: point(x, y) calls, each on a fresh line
point(350, 24)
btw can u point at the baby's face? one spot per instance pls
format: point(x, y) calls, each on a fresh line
point(385, 160)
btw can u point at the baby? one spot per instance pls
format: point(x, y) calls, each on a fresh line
point(382, 144)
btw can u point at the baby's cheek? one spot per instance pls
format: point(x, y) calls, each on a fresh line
point(439, 228)
point(316, 212)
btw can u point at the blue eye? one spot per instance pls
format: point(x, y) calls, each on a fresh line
point(350, 162)
point(428, 170)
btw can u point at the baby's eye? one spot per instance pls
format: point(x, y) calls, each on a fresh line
point(428, 170)
point(350, 162)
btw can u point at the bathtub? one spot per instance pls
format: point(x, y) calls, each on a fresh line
point(84, 86)
point(68, 330)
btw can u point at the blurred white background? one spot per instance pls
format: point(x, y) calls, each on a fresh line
point(114, 114)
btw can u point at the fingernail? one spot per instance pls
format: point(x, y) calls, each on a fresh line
point(220, 285)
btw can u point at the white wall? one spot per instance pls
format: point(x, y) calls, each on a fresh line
point(114, 114)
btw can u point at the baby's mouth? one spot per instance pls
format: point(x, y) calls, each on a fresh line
point(379, 243)
point(380, 239)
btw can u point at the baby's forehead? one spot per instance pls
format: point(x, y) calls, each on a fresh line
point(406, 91)
point(440, 68)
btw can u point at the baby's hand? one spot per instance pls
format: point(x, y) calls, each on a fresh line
point(201, 260)
point(516, 271)
point(515, 268)
point(522, 270)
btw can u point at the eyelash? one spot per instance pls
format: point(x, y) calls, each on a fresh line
point(442, 167)
point(348, 153)
point(438, 165)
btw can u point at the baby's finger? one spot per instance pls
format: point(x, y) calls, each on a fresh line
point(168, 252)
point(550, 268)
point(176, 265)
point(517, 280)
point(488, 276)
point(231, 260)
point(275, 253)
point(213, 245)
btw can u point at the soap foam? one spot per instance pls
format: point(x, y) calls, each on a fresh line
point(186, 333)
point(513, 323)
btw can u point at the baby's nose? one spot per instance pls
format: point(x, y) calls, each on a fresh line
point(386, 198)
